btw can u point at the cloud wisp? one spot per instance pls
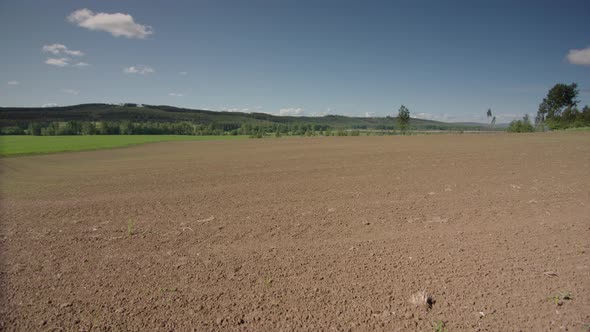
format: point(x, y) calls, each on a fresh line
point(175, 94)
point(117, 24)
point(13, 82)
point(58, 49)
point(59, 62)
point(239, 109)
point(139, 69)
point(292, 111)
point(70, 91)
point(579, 57)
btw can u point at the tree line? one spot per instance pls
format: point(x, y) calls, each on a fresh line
point(57, 128)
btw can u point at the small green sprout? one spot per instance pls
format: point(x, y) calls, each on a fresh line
point(130, 227)
point(440, 327)
point(560, 297)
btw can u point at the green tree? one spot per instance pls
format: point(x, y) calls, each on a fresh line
point(51, 130)
point(526, 119)
point(88, 128)
point(539, 122)
point(34, 129)
point(561, 97)
point(403, 119)
point(12, 130)
point(126, 128)
point(583, 118)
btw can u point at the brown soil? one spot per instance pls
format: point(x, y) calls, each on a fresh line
point(301, 234)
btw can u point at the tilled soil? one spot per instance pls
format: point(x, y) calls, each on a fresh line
point(304, 234)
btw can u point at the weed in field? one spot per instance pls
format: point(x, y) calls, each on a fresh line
point(560, 297)
point(94, 323)
point(168, 290)
point(130, 227)
point(440, 326)
point(268, 281)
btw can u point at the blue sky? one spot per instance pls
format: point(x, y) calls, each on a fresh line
point(444, 60)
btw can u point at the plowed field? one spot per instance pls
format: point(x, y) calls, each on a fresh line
point(305, 234)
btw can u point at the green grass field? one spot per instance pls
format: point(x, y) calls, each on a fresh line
point(24, 145)
point(578, 129)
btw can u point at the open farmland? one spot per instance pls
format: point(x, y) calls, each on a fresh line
point(300, 234)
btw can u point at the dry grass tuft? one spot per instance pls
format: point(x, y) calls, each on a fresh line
point(421, 299)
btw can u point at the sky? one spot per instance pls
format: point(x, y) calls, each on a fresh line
point(444, 60)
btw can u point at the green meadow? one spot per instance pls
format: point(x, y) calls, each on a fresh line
point(26, 145)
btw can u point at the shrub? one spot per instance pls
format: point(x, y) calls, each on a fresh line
point(521, 126)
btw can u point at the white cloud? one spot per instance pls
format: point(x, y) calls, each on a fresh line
point(444, 117)
point(117, 24)
point(370, 114)
point(13, 82)
point(60, 62)
point(58, 49)
point(142, 70)
point(238, 109)
point(503, 118)
point(50, 105)
point(235, 109)
point(328, 111)
point(579, 57)
point(291, 112)
point(70, 91)
point(426, 116)
point(64, 52)
point(175, 94)
point(478, 118)
point(183, 73)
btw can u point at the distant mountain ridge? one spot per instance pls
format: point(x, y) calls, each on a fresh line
point(163, 113)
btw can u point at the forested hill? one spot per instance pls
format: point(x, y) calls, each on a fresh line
point(10, 116)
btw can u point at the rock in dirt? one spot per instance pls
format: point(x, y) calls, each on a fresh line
point(550, 274)
point(421, 299)
point(206, 219)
